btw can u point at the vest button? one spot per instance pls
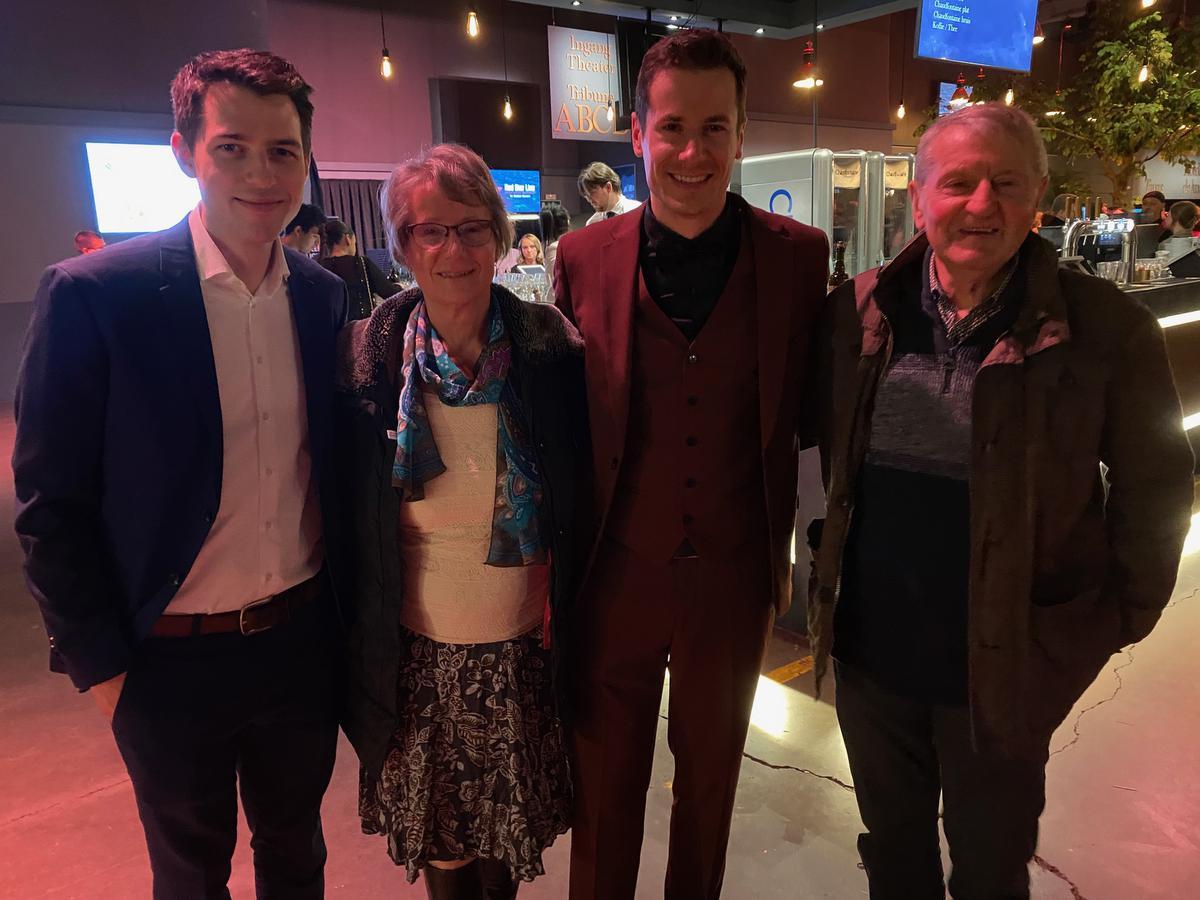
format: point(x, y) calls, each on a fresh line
point(692, 441)
point(693, 358)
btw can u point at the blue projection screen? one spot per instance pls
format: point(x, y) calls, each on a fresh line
point(520, 189)
point(998, 35)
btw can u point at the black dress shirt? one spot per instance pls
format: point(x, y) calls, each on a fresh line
point(686, 276)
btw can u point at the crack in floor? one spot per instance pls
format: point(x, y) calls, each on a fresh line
point(1179, 600)
point(57, 804)
point(1127, 652)
point(783, 766)
point(1058, 873)
point(780, 766)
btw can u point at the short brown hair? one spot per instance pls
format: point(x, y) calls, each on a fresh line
point(695, 48)
point(596, 175)
point(459, 173)
point(1185, 213)
point(256, 70)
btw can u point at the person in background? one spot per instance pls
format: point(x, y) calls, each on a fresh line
point(1183, 222)
point(88, 241)
point(174, 411)
point(366, 283)
point(455, 548)
point(555, 223)
point(530, 248)
point(1154, 211)
point(1009, 488)
point(1060, 209)
point(303, 232)
point(698, 312)
point(601, 187)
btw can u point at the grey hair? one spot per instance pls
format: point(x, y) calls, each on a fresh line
point(984, 117)
point(459, 173)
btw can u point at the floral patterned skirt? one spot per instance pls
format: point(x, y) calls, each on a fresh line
point(478, 767)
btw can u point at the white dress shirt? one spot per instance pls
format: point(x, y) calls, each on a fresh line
point(623, 205)
point(267, 534)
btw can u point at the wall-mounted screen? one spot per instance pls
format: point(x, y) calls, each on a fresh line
point(520, 189)
point(978, 32)
point(138, 187)
point(946, 90)
point(628, 176)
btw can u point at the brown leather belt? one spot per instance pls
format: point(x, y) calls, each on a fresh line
point(250, 619)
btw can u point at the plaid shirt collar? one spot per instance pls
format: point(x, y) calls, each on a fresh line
point(960, 330)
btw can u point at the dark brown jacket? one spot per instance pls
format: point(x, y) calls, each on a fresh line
point(1068, 563)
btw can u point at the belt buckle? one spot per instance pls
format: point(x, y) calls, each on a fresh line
point(245, 628)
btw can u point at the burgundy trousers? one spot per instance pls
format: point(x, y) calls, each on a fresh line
point(706, 621)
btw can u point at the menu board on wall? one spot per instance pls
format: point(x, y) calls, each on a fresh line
point(583, 79)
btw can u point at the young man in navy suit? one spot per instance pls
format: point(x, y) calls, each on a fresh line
point(173, 414)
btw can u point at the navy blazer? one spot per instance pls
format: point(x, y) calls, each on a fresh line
point(118, 455)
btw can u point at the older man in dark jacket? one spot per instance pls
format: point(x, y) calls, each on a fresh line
point(1009, 488)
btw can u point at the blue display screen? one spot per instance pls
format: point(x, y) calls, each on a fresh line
point(978, 32)
point(520, 189)
point(628, 178)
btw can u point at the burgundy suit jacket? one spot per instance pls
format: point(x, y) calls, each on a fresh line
point(596, 285)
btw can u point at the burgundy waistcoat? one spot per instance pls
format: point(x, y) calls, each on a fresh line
point(692, 466)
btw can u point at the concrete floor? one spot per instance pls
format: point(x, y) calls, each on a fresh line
point(1122, 820)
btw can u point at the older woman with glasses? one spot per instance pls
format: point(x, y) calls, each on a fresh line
point(462, 454)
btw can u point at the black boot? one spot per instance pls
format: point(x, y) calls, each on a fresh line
point(453, 884)
point(498, 883)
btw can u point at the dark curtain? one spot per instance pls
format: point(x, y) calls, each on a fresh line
point(356, 202)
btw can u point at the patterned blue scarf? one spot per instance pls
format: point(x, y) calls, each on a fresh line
point(516, 523)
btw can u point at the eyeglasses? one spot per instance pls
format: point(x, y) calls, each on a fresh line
point(432, 235)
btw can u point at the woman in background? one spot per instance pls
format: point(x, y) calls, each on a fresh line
point(555, 223)
point(530, 248)
point(363, 278)
point(463, 436)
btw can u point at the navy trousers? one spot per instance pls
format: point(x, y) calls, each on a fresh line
point(201, 717)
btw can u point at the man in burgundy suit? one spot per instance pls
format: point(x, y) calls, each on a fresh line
point(697, 313)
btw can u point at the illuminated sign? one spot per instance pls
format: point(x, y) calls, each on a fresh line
point(583, 80)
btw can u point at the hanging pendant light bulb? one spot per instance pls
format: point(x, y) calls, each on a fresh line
point(1009, 96)
point(1146, 4)
point(901, 112)
point(611, 112)
point(385, 64)
point(472, 24)
point(1039, 36)
point(508, 113)
point(1144, 74)
point(808, 78)
point(960, 97)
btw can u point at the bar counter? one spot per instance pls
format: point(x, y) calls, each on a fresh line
point(1176, 302)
